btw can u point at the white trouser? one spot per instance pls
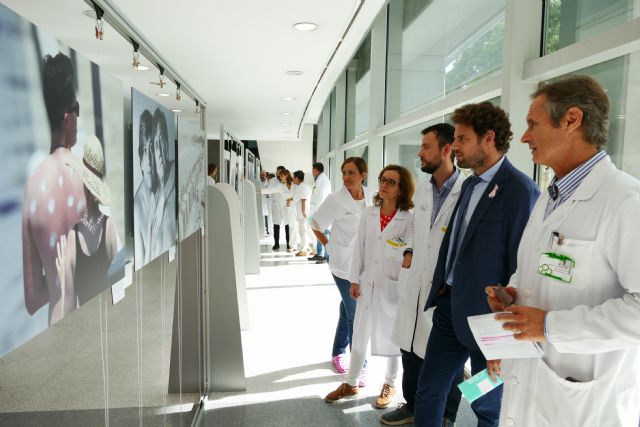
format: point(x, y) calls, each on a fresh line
point(303, 229)
point(361, 338)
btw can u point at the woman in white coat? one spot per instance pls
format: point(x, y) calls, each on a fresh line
point(342, 211)
point(288, 194)
point(385, 232)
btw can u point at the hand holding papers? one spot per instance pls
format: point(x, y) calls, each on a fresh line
point(496, 343)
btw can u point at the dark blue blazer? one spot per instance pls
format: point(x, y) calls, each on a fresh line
point(488, 251)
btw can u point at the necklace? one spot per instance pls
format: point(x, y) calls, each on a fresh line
point(91, 224)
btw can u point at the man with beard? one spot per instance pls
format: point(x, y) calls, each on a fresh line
point(434, 202)
point(478, 248)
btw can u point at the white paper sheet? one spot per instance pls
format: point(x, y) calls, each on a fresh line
point(496, 343)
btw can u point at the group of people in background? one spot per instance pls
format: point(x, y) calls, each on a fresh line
point(409, 279)
point(289, 201)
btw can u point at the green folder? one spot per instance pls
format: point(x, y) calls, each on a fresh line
point(478, 385)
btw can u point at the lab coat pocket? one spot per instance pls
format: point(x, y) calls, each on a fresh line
point(393, 256)
point(559, 402)
point(391, 291)
point(581, 252)
point(402, 283)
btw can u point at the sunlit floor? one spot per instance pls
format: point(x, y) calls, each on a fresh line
point(293, 306)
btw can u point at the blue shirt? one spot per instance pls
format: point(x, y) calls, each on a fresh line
point(478, 191)
point(440, 195)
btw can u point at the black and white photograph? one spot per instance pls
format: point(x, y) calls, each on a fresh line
point(62, 199)
point(154, 179)
point(191, 178)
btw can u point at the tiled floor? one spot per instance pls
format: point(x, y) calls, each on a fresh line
point(293, 305)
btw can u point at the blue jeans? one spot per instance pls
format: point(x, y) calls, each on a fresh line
point(320, 251)
point(344, 330)
point(444, 359)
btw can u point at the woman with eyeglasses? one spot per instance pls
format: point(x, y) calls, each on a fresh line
point(342, 211)
point(384, 233)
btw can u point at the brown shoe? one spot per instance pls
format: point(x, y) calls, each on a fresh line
point(344, 391)
point(303, 253)
point(386, 396)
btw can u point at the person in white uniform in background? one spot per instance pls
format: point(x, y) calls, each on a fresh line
point(264, 183)
point(321, 189)
point(434, 201)
point(274, 190)
point(577, 285)
point(342, 211)
point(384, 233)
point(301, 201)
point(288, 194)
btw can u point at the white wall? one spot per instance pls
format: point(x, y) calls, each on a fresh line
point(294, 155)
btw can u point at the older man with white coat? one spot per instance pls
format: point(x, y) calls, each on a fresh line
point(577, 285)
point(434, 203)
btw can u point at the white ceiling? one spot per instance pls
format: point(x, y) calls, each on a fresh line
point(233, 53)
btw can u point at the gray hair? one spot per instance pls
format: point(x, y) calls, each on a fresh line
point(584, 93)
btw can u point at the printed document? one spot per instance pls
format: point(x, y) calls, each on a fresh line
point(496, 343)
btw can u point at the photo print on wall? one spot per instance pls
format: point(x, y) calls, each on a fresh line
point(191, 178)
point(154, 178)
point(61, 204)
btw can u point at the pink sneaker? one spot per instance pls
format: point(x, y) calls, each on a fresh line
point(362, 379)
point(340, 363)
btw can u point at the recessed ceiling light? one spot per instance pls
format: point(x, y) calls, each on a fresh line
point(286, 124)
point(287, 113)
point(293, 73)
point(288, 98)
point(162, 94)
point(176, 110)
point(141, 68)
point(305, 26)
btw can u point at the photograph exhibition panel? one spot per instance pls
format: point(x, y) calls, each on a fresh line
point(62, 169)
point(191, 178)
point(154, 178)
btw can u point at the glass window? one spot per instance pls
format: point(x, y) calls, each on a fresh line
point(568, 22)
point(401, 148)
point(323, 135)
point(333, 125)
point(358, 90)
point(360, 151)
point(438, 46)
point(622, 147)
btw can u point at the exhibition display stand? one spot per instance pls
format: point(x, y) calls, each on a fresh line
point(250, 224)
point(227, 295)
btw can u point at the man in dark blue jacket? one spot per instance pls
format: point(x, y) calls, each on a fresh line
point(479, 248)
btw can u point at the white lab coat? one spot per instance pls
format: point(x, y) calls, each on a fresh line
point(342, 213)
point(377, 260)
point(412, 324)
point(264, 197)
point(593, 323)
point(321, 190)
point(275, 190)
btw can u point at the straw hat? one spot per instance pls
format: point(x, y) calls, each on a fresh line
point(91, 170)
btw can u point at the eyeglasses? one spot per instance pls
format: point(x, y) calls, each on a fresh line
point(74, 108)
point(389, 182)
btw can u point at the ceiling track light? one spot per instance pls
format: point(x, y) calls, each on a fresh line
point(99, 27)
point(161, 81)
point(178, 96)
point(136, 55)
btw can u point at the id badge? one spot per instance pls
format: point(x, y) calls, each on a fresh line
point(556, 266)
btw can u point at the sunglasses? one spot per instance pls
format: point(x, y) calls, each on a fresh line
point(389, 182)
